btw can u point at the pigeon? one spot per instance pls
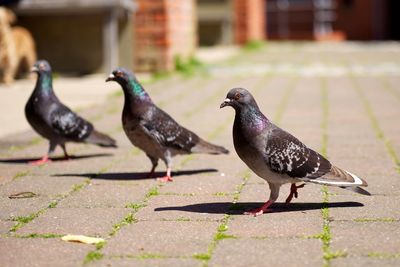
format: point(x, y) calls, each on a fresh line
point(154, 131)
point(277, 156)
point(56, 122)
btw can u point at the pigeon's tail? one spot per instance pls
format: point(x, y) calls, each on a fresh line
point(342, 179)
point(100, 139)
point(208, 148)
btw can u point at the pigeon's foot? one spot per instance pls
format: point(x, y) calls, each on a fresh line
point(261, 210)
point(293, 192)
point(41, 161)
point(165, 179)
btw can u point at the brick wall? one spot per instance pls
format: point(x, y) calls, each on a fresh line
point(249, 22)
point(163, 30)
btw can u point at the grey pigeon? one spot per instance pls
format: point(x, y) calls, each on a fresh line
point(56, 122)
point(277, 156)
point(153, 130)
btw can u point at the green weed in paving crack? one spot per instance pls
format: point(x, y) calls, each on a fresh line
point(92, 256)
point(383, 255)
point(129, 219)
point(223, 226)
point(325, 236)
point(35, 235)
point(20, 174)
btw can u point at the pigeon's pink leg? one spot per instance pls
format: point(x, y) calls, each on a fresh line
point(261, 210)
point(293, 192)
point(166, 178)
point(41, 161)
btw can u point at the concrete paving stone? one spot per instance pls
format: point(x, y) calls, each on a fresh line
point(41, 185)
point(172, 207)
point(358, 261)
point(373, 207)
point(169, 238)
point(276, 225)
point(20, 139)
point(41, 252)
point(9, 172)
point(167, 262)
point(81, 221)
point(13, 208)
point(362, 238)
point(267, 252)
point(5, 226)
point(212, 183)
point(105, 196)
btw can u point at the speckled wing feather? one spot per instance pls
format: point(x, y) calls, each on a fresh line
point(168, 132)
point(69, 125)
point(287, 155)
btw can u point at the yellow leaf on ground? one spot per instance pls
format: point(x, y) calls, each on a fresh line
point(82, 239)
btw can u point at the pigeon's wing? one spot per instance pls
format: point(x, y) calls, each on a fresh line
point(69, 125)
point(285, 154)
point(168, 133)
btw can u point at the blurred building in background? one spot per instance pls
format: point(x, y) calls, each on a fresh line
point(86, 36)
point(332, 19)
point(80, 36)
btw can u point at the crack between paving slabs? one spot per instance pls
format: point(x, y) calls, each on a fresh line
point(379, 133)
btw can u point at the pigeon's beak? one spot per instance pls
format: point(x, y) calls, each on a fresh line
point(110, 78)
point(225, 103)
point(34, 69)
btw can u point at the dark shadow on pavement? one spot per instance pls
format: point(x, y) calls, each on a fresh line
point(27, 160)
point(134, 175)
point(239, 208)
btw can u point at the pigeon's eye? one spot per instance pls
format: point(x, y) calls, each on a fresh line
point(118, 74)
point(237, 96)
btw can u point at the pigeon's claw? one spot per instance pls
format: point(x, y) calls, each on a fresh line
point(41, 161)
point(165, 179)
point(261, 210)
point(293, 192)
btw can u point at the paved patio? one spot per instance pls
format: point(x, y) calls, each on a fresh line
point(340, 99)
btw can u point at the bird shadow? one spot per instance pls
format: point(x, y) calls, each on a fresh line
point(61, 158)
point(241, 207)
point(133, 175)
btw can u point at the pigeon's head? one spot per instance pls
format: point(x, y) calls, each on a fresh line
point(238, 98)
point(41, 67)
point(120, 75)
point(128, 82)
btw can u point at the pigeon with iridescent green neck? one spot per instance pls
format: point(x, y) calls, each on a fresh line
point(56, 122)
point(277, 156)
point(154, 131)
